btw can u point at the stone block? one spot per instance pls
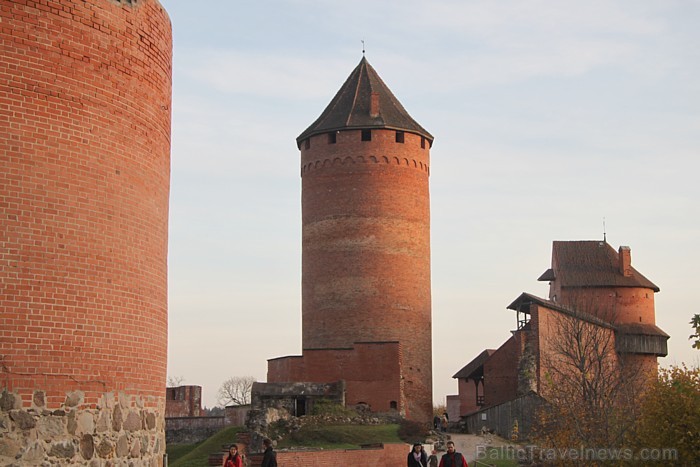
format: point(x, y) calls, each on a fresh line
point(132, 422)
point(22, 419)
point(34, 454)
point(135, 448)
point(9, 401)
point(103, 422)
point(63, 449)
point(49, 428)
point(87, 447)
point(105, 448)
point(39, 399)
point(74, 398)
point(86, 423)
point(122, 448)
point(117, 418)
point(9, 447)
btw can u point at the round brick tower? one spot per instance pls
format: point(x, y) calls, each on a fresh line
point(85, 92)
point(366, 231)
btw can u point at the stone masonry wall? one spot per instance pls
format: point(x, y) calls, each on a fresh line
point(118, 430)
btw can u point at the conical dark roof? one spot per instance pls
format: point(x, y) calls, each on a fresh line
point(350, 108)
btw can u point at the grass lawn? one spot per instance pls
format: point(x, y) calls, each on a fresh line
point(341, 436)
point(322, 437)
point(197, 455)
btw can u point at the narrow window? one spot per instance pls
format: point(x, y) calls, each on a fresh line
point(331, 137)
point(422, 142)
point(307, 143)
point(393, 405)
point(366, 135)
point(399, 136)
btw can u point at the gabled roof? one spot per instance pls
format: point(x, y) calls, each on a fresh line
point(590, 263)
point(527, 299)
point(475, 368)
point(350, 108)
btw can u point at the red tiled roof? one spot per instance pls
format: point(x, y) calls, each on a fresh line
point(591, 263)
point(350, 108)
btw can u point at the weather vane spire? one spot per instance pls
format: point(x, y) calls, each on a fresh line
point(604, 233)
point(363, 47)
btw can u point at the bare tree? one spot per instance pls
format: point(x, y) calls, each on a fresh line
point(591, 391)
point(175, 381)
point(236, 390)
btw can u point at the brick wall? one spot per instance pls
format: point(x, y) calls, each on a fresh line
point(366, 251)
point(236, 414)
point(453, 408)
point(621, 304)
point(85, 89)
point(183, 401)
point(371, 372)
point(501, 373)
point(467, 395)
point(386, 455)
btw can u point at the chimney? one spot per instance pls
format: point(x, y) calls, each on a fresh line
point(374, 105)
point(625, 260)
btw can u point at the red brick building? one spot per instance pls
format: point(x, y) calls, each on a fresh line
point(85, 92)
point(589, 282)
point(366, 303)
point(183, 401)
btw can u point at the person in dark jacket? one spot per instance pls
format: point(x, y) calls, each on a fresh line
point(417, 457)
point(269, 456)
point(452, 458)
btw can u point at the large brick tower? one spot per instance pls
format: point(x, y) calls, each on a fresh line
point(366, 245)
point(85, 92)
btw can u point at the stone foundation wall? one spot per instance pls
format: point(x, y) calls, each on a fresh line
point(189, 430)
point(119, 430)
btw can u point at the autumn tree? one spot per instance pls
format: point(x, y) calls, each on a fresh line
point(236, 390)
point(670, 416)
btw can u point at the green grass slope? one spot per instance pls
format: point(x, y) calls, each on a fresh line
point(197, 455)
point(341, 436)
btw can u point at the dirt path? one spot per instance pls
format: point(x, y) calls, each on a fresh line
point(469, 445)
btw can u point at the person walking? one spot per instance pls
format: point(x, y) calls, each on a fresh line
point(432, 459)
point(452, 458)
point(233, 459)
point(443, 423)
point(269, 456)
point(417, 457)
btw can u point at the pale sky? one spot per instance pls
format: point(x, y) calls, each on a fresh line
point(548, 117)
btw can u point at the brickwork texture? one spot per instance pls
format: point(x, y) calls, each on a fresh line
point(366, 251)
point(85, 95)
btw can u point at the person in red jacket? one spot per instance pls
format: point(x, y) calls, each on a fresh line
point(233, 459)
point(452, 458)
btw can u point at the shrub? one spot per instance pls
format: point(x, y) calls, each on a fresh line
point(327, 407)
point(411, 431)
